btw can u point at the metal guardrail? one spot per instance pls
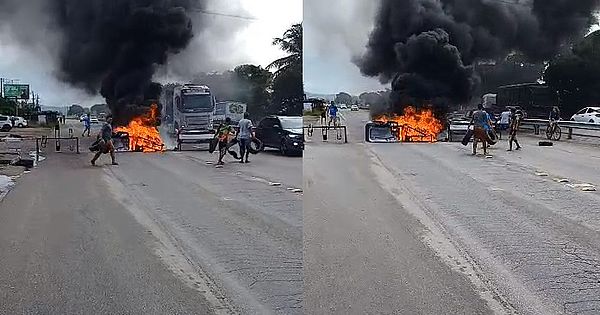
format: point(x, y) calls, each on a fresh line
point(42, 143)
point(567, 124)
point(570, 126)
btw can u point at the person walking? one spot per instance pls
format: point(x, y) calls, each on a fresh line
point(515, 121)
point(481, 125)
point(223, 133)
point(106, 143)
point(86, 125)
point(245, 137)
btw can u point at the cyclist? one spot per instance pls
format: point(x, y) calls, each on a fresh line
point(554, 118)
point(333, 112)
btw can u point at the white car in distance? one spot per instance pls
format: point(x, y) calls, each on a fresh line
point(588, 115)
point(19, 121)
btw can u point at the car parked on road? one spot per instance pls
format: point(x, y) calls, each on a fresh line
point(283, 133)
point(588, 114)
point(354, 108)
point(19, 121)
point(94, 120)
point(343, 106)
point(5, 123)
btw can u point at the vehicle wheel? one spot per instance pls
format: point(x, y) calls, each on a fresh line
point(548, 133)
point(557, 133)
point(283, 148)
point(572, 119)
point(21, 126)
point(591, 121)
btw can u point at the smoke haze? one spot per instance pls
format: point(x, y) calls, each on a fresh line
point(427, 48)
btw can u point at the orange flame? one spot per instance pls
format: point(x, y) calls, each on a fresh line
point(415, 126)
point(143, 133)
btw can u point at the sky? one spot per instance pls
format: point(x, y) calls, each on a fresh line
point(331, 41)
point(224, 43)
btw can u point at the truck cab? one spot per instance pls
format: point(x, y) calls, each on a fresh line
point(193, 107)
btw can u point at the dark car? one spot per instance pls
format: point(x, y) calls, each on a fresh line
point(283, 133)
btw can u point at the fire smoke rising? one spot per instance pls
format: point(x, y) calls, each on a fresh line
point(117, 45)
point(109, 46)
point(427, 48)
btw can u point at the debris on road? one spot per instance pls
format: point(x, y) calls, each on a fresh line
point(274, 184)
point(541, 174)
point(561, 180)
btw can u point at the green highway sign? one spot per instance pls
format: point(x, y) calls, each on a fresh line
point(18, 91)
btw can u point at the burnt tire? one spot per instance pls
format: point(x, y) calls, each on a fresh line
point(545, 143)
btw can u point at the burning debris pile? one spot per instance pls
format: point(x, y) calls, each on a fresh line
point(426, 49)
point(142, 132)
point(414, 125)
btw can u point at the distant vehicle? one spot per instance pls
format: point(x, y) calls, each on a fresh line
point(489, 101)
point(5, 124)
point(343, 106)
point(94, 120)
point(354, 108)
point(537, 99)
point(233, 110)
point(283, 133)
point(588, 114)
point(381, 132)
point(19, 121)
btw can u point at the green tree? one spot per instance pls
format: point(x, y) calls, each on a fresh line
point(287, 85)
point(253, 88)
point(343, 98)
point(291, 42)
point(7, 107)
point(75, 110)
point(576, 76)
point(99, 108)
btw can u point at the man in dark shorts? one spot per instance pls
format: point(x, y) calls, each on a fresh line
point(106, 143)
point(515, 121)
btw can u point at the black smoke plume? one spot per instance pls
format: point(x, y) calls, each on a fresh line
point(114, 46)
point(427, 48)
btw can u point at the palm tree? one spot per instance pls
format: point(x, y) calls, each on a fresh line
point(291, 42)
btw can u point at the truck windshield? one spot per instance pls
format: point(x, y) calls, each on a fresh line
point(291, 122)
point(197, 102)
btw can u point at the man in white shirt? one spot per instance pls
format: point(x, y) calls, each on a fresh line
point(505, 119)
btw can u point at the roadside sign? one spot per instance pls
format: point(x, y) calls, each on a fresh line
point(18, 91)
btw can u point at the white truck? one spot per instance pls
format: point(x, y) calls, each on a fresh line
point(233, 110)
point(189, 113)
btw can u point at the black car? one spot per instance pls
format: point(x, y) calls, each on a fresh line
point(283, 133)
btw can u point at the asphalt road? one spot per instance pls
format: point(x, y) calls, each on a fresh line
point(162, 233)
point(427, 228)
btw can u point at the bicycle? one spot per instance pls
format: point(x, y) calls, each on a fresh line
point(553, 131)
